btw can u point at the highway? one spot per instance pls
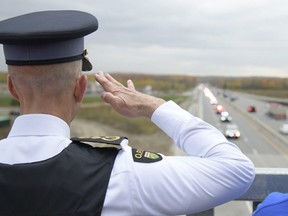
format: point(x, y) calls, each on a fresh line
point(260, 139)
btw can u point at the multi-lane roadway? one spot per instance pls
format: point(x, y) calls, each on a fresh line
point(260, 138)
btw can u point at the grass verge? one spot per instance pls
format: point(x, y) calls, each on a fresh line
point(104, 114)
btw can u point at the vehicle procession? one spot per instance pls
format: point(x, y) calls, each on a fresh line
point(231, 130)
point(258, 125)
point(230, 127)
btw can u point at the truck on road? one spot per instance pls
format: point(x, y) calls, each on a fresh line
point(277, 110)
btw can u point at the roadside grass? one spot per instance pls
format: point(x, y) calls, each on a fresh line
point(91, 99)
point(105, 114)
point(4, 131)
point(176, 98)
point(94, 109)
point(8, 101)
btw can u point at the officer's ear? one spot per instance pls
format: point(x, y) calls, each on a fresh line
point(80, 88)
point(12, 88)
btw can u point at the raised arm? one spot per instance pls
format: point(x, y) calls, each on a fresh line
point(214, 172)
point(126, 100)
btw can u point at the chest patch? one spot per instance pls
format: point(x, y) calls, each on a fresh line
point(145, 156)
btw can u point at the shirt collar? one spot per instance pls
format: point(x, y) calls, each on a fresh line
point(39, 125)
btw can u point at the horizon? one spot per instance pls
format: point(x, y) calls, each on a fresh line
point(180, 74)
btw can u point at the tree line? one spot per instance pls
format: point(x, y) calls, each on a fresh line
point(183, 82)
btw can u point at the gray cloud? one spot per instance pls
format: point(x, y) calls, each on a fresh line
point(180, 36)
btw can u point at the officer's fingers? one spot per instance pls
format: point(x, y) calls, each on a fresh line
point(115, 101)
point(111, 79)
point(130, 84)
point(99, 74)
point(104, 82)
point(100, 78)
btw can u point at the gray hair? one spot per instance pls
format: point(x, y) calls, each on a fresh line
point(48, 80)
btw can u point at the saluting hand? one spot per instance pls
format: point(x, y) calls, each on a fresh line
point(127, 100)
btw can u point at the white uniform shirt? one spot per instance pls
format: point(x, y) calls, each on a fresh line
point(214, 172)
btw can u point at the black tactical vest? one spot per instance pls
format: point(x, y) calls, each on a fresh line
point(73, 182)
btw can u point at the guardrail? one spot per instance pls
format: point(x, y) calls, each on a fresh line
point(267, 180)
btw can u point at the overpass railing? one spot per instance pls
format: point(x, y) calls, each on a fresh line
point(267, 180)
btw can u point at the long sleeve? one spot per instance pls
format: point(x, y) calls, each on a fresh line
point(214, 171)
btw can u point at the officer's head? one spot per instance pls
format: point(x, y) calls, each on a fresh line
point(47, 37)
point(45, 55)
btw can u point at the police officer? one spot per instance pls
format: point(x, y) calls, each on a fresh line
point(45, 172)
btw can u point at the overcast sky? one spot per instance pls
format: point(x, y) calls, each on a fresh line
point(206, 37)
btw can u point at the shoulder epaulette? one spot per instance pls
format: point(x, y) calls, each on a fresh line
point(112, 140)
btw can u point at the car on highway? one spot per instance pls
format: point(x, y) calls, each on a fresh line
point(219, 109)
point(277, 110)
point(251, 108)
point(232, 131)
point(225, 117)
point(284, 129)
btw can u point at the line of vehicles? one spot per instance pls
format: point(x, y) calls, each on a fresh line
point(231, 130)
point(274, 110)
